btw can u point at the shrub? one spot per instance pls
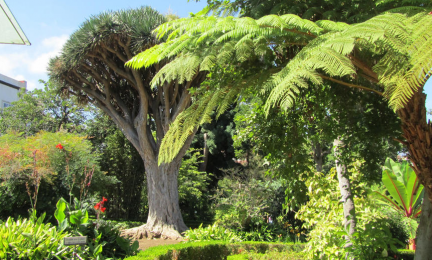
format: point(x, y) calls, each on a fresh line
point(36, 166)
point(211, 250)
point(324, 215)
point(404, 254)
point(31, 239)
point(211, 233)
point(245, 201)
point(103, 236)
point(272, 255)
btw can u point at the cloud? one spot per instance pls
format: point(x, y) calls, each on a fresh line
point(55, 42)
point(54, 45)
point(12, 61)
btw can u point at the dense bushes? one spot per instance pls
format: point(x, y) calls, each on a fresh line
point(31, 239)
point(46, 166)
point(211, 250)
point(250, 203)
point(323, 215)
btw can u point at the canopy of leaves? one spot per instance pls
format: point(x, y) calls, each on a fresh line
point(351, 11)
point(383, 53)
point(43, 109)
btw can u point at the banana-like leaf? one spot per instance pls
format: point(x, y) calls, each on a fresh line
point(396, 188)
point(402, 184)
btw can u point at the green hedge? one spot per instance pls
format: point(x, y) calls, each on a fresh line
point(405, 254)
point(290, 255)
point(211, 250)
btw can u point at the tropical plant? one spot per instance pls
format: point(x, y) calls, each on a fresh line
point(103, 238)
point(403, 193)
point(299, 53)
point(91, 67)
point(404, 189)
point(322, 215)
point(47, 166)
point(32, 239)
point(210, 233)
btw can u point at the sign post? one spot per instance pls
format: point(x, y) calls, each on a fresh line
point(74, 241)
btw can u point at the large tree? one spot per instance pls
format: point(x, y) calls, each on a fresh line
point(91, 67)
point(388, 55)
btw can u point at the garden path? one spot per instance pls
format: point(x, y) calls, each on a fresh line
point(145, 243)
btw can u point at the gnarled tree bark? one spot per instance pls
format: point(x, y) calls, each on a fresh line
point(418, 134)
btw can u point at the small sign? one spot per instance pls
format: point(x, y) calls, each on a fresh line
point(71, 241)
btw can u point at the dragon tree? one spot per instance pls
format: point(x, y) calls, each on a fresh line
point(91, 67)
point(388, 55)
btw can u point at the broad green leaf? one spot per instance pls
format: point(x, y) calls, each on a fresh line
point(396, 189)
point(85, 218)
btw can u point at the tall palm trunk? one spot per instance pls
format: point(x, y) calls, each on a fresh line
point(418, 135)
point(345, 190)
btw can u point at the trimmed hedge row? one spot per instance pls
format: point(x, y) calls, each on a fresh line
point(405, 254)
point(290, 255)
point(211, 250)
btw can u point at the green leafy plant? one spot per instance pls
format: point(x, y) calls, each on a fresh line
point(323, 215)
point(104, 238)
point(47, 166)
point(211, 233)
point(403, 193)
point(404, 188)
point(32, 239)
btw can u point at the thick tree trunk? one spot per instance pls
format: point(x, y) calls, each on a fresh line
point(424, 233)
point(345, 190)
point(164, 217)
point(418, 135)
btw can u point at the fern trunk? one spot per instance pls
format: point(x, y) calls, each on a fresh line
point(347, 197)
point(418, 135)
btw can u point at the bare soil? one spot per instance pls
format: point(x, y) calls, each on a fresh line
point(145, 243)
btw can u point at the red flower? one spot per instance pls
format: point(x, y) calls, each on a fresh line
point(104, 200)
point(103, 209)
point(98, 205)
point(59, 146)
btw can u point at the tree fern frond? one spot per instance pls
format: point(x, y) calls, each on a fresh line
point(190, 119)
point(182, 69)
point(331, 26)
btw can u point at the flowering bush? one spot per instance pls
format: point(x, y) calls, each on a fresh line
point(99, 207)
point(48, 166)
point(104, 238)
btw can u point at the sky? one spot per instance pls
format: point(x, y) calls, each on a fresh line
point(49, 23)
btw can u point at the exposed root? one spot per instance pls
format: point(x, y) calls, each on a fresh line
point(144, 232)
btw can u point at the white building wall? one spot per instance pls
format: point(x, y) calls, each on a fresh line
point(9, 89)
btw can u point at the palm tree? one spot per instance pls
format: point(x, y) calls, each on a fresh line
point(388, 55)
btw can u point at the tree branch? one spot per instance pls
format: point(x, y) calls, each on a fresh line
point(351, 85)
